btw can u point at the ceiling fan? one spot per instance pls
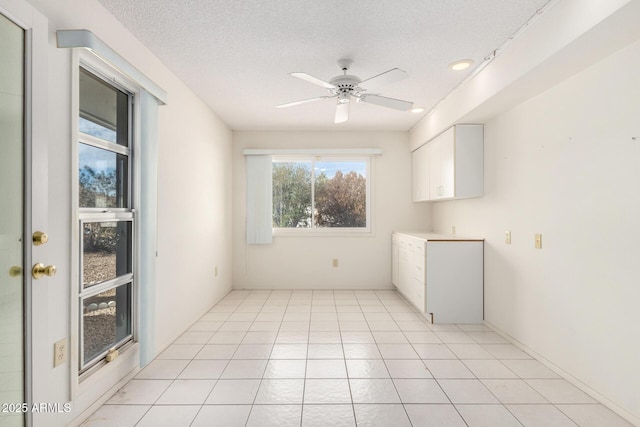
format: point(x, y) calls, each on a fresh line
point(346, 87)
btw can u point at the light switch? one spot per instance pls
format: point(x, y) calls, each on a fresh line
point(538, 241)
point(507, 237)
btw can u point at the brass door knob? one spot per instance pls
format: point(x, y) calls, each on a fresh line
point(40, 238)
point(39, 270)
point(15, 271)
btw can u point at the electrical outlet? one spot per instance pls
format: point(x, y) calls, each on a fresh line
point(59, 352)
point(507, 237)
point(538, 241)
point(453, 229)
point(335, 262)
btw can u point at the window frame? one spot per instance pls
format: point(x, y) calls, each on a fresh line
point(108, 214)
point(329, 231)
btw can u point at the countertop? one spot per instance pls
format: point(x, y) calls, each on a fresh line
point(429, 236)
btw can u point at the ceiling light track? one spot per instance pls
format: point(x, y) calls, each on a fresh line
point(495, 52)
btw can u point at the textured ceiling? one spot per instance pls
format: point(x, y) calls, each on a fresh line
point(237, 54)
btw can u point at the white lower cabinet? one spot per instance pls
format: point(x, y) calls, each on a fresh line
point(442, 276)
point(395, 260)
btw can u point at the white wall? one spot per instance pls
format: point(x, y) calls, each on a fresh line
point(305, 262)
point(194, 201)
point(567, 36)
point(567, 164)
point(194, 214)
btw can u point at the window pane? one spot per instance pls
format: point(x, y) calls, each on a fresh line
point(91, 128)
point(106, 320)
point(292, 194)
point(104, 110)
point(340, 194)
point(103, 178)
point(106, 251)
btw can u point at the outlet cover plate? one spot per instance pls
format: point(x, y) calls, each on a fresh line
point(59, 352)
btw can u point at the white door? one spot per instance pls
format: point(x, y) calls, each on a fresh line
point(12, 186)
point(23, 209)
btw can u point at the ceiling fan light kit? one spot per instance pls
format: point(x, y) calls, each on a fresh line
point(345, 87)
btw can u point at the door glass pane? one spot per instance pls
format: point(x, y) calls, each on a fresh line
point(292, 194)
point(103, 178)
point(106, 320)
point(11, 219)
point(106, 251)
point(104, 110)
point(340, 194)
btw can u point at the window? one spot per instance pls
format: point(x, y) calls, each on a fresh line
point(105, 211)
point(320, 193)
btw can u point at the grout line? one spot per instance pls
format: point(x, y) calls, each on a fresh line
point(353, 405)
point(404, 408)
point(386, 302)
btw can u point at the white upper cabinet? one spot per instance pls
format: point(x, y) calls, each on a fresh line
point(420, 174)
point(450, 166)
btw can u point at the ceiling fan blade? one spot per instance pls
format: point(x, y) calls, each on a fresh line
point(342, 113)
point(383, 101)
point(390, 76)
point(303, 101)
point(314, 80)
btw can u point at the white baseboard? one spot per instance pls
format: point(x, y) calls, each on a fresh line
point(103, 399)
point(573, 380)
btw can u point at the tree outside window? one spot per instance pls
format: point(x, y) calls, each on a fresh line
point(320, 193)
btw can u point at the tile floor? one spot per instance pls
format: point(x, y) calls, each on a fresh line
point(343, 358)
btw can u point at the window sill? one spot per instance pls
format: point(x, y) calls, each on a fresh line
point(129, 356)
point(95, 387)
point(310, 232)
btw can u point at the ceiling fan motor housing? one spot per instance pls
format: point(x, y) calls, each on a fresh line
point(345, 84)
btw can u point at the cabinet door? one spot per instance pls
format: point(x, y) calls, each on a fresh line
point(441, 166)
point(416, 294)
point(447, 164)
point(404, 270)
point(419, 276)
point(420, 174)
point(455, 281)
point(469, 163)
point(395, 262)
point(433, 153)
point(419, 261)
